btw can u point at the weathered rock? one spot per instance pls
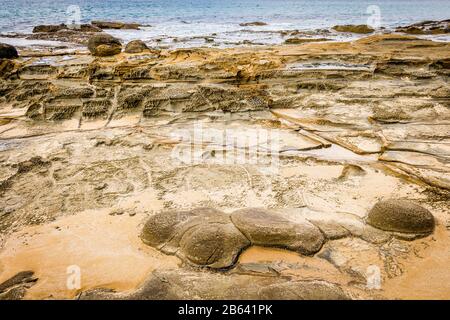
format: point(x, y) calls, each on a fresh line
point(303, 290)
point(202, 236)
point(214, 245)
point(115, 25)
point(182, 284)
point(136, 46)
point(7, 51)
point(361, 28)
point(401, 216)
point(253, 24)
point(7, 67)
point(104, 45)
point(15, 287)
point(265, 228)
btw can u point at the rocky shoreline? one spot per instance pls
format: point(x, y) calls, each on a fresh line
point(74, 35)
point(87, 142)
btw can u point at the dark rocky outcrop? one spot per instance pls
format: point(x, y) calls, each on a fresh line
point(426, 27)
point(401, 216)
point(304, 40)
point(104, 45)
point(253, 24)
point(115, 25)
point(60, 27)
point(7, 51)
point(361, 28)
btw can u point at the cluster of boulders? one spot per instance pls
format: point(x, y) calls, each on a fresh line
point(212, 238)
point(103, 45)
point(94, 26)
point(77, 33)
point(209, 237)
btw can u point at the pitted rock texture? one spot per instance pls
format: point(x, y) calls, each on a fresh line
point(401, 216)
point(183, 284)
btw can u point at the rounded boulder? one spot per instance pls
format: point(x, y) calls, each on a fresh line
point(401, 216)
point(266, 228)
point(136, 46)
point(7, 51)
point(104, 45)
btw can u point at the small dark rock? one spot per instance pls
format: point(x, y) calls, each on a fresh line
point(7, 51)
point(253, 24)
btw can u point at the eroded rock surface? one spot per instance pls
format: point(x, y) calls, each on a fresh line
point(115, 137)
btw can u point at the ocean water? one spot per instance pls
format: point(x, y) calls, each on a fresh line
point(187, 22)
